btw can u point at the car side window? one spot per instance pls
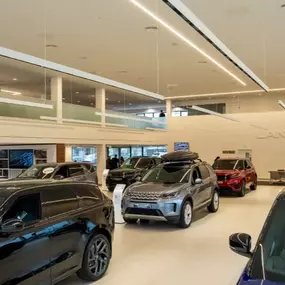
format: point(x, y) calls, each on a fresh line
point(88, 194)
point(195, 175)
point(26, 208)
point(157, 160)
point(186, 177)
point(58, 199)
point(205, 173)
point(76, 170)
point(62, 171)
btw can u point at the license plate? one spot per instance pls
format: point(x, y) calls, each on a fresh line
point(142, 206)
point(220, 182)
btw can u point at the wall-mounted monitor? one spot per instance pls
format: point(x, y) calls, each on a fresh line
point(21, 158)
point(181, 146)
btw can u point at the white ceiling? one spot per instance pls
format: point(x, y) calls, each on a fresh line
point(108, 37)
point(252, 29)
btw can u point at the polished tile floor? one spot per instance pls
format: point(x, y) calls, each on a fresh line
point(163, 254)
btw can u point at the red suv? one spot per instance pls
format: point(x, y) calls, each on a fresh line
point(235, 174)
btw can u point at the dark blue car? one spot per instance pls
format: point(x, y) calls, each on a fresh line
point(266, 264)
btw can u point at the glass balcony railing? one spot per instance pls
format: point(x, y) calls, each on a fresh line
point(32, 108)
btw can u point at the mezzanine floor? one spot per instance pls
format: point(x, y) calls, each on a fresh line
point(161, 254)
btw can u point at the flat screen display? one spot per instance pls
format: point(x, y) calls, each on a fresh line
point(181, 146)
point(21, 158)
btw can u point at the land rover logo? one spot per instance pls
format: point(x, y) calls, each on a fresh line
point(273, 135)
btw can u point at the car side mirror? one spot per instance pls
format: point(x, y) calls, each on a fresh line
point(59, 177)
point(138, 178)
point(198, 181)
point(240, 243)
point(12, 226)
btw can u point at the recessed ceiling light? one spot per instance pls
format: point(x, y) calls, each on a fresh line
point(107, 99)
point(119, 101)
point(159, 101)
point(77, 92)
point(15, 79)
point(63, 98)
point(130, 103)
point(151, 28)
point(93, 96)
point(51, 46)
point(78, 101)
point(186, 40)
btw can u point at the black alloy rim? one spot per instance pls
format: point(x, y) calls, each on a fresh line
point(98, 257)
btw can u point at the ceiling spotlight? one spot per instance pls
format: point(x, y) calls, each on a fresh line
point(78, 101)
point(77, 92)
point(130, 103)
point(186, 40)
point(159, 101)
point(119, 101)
point(15, 79)
point(63, 98)
point(51, 46)
point(151, 28)
point(107, 99)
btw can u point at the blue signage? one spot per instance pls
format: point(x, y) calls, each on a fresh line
point(181, 146)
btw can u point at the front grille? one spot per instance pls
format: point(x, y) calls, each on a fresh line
point(145, 212)
point(221, 177)
point(144, 196)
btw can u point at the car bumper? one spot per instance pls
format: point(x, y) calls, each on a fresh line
point(160, 210)
point(234, 185)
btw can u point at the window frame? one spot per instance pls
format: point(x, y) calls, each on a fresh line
point(201, 172)
point(82, 166)
point(195, 167)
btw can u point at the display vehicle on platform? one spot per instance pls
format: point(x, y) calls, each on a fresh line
point(235, 175)
point(172, 191)
point(52, 229)
point(129, 171)
point(267, 261)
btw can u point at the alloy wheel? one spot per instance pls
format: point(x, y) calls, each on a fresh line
point(216, 200)
point(98, 257)
point(187, 214)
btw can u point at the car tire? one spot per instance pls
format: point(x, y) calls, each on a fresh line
point(215, 202)
point(143, 221)
point(242, 190)
point(186, 215)
point(253, 186)
point(130, 221)
point(97, 256)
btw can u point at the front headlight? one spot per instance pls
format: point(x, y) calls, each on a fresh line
point(170, 195)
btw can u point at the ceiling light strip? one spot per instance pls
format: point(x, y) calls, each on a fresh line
point(10, 92)
point(183, 38)
point(74, 72)
point(188, 16)
point(25, 103)
point(203, 110)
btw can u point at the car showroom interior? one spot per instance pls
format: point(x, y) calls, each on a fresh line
point(142, 142)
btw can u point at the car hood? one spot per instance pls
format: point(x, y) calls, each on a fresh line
point(226, 171)
point(155, 187)
point(125, 170)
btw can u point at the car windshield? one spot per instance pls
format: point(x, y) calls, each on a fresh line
point(226, 164)
point(166, 174)
point(135, 162)
point(269, 258)
point(38, 172)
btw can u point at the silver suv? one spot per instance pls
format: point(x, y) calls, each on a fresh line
point(171, 192)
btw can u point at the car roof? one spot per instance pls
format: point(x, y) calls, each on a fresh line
point(55, 164)
point(281, 194)
point(9, 187)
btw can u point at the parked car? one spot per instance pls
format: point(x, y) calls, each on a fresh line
point(52, 229)
point(267, 261)
point(235, 175)
point(172, 191)
point(75, 171)
point(130, 170)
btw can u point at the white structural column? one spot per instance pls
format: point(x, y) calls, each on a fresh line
point(101, 161)
point(168, 108)
point(56, 96)
point(101, 103)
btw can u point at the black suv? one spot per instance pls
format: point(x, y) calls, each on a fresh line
point(131, 170)
point(50, 230)
point(75, 171)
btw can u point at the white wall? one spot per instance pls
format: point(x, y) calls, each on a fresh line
point(210, 135)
